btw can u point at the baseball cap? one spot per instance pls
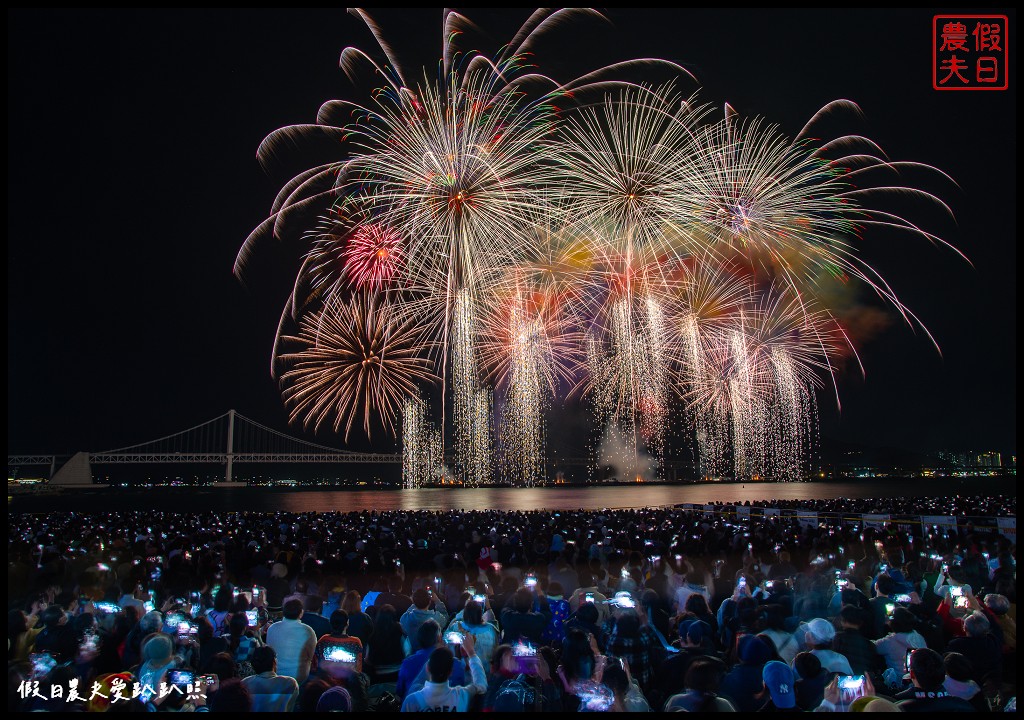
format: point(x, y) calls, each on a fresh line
point(821, 630)
point(779, 679)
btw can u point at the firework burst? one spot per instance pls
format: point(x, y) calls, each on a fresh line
point(353, 358)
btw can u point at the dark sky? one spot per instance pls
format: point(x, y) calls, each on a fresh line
point(132, 182)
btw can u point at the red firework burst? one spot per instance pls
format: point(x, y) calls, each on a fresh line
point(372, 256)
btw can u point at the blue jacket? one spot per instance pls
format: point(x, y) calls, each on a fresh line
point(414, 664)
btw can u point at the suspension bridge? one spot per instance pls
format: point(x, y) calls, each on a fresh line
point(227, 439)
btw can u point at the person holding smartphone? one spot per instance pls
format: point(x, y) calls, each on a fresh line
point(902, 636)
point(339, 638)
point(928, 694)
point(425, 606)
point(438, 694)
point(484, 633)
point(242, 641)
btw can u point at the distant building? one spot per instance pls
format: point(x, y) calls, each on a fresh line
point(989, 459)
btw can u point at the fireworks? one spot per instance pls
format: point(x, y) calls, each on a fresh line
point(353, 356)
point(490, 225)
point(422, 454)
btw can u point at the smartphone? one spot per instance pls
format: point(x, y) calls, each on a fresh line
point(960, 602)
point(851, 565)
point(181, 678)
point(906, 661)
point(107, 608)
point(253, 617)
point(588, 597)
point(184, 629)
point(889, 609)
point(194, 597)
point(770, 584)
point(42, 664)
point(626, 602)
point(90, 642)
point(902, 598)
point(480, 599)
point(945, 568)
point(339, 653)
point(454, 638)
point(149, 605)
point(742, 582)
point(207, 680)
point(956, 591)
point(255, 592)
point(852, 683)
point(530, 582)
point(526, 658)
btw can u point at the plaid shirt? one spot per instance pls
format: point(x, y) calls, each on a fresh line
point(246, 646)
point(641, 651)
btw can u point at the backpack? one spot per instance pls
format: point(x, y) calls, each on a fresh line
point(521, 694)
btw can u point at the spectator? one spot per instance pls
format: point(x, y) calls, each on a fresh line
point(586, 619)
point(21, 633)
point(310, 694)
point(294, 643)
point(773, 629)
point(339, 637)
point(878, 609)
point(221, 612)
point(555, 631)
point(311, 603)
point(336, 699)
point(270, 692)
point(231, 696)
point(818, 637)
point(743, 684)
point(633, 640)
point(312, 607)
point(438, 694)
point(277, 586)
point(780, 684)
point(901, 638)
point(811, 680)
point(56, 637)
point(702, 682)
point(694, 643)
point(522, 621)
point(851, 643)
point(959, 682)
point(208, 644)
point(157, 658)
point(411, 675)
point(385, 652)
point(424, 607)
point(360, 624)
point(241, 643)
point(581, 666)
point(485, 635)
point(392, 595)
point(928, 673)
point(980, 648)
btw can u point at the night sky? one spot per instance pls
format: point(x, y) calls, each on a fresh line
point(132, 182)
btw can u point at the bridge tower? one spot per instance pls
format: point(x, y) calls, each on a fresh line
point(231, 444)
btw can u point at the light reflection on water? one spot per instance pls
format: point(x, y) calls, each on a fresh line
point(548, 498)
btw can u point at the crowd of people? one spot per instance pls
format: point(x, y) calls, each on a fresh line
point(544, 611)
